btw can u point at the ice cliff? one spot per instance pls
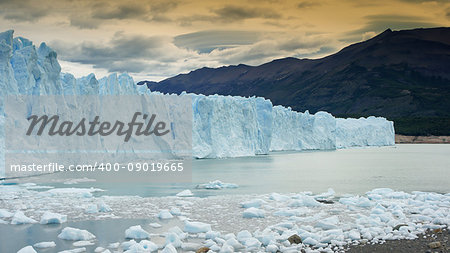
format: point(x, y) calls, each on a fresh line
point(223, 126)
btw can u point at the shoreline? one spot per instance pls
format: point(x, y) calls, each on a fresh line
point(405, 139)
point(436, 240)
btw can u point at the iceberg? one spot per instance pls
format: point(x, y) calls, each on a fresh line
point(53, 218)
point(222, 126)
point(42, 245)
point(75, 234)
point(136, 232)
point(20, 218)
point(196, 227)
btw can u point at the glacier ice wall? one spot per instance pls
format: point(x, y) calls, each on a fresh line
point(371, 131)
point(223, 126)
point(302, 131)
point(226, 126)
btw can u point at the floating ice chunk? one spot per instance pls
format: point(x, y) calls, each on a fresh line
point(216, 185)
point(75, 234)
point(212, 234)
point(155, 225)
point(253, 212)
point(196, 227)
point(190, 246)
point(380, 191)
point(41, 245)
point(114, 245)
point(79, 180)
point(53, 218)
point(272, 248)
point(330, 193)
point(354, 235)
point(82, 243)
point(27, 249)
point(253, 203)
point(285, 212)
point(136, 232)
point(328, 223)
point(278, 197)
point(148, 246)
point(226, 248)
point(304, 200)
point(185, 193)
point(104, 208)
point(175, 211)
point(127, 245)
point(169, 249)
point(77, 250)
point(78, 192)
point(20, 218)
point(165, 214)
point(5, 214)
point(91, 208)
point(252, 243)
point(356, 201)
point(173, 239)
point(99, 249)
point(310, 241)
point(235, 244)
point(243, 235)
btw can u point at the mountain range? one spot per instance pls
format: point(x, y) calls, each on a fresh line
point(401, 75)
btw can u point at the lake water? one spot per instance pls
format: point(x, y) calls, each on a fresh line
point(405, 167)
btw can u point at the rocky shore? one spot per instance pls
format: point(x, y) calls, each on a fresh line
point(399, 139)
point(432, 241)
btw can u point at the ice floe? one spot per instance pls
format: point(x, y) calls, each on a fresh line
point(53, 218)
point(216, 185)
point(136, 232)
point(263, 222)
point(75, 234)
point(42, 245)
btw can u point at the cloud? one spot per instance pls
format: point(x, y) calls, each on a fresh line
point(87, 14)
point(120, 11)
point(123, 52)
point(307, 4)
point(379, 23)
point(206, 41)
point(230, 14)
point(24, 10)
point(166, 56)
point(236, 13)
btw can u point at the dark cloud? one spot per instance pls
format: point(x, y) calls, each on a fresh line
point(206, 41)
point(121, 11)
point(231, 13)
point(84, 22)
point(121, 53)
point(307, 4)
point(379, 23)
point(23, 10)
point(87, 14)
point(235, 13)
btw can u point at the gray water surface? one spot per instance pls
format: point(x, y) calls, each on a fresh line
point(405, 167)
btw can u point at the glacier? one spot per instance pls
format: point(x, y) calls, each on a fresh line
point(223, 126)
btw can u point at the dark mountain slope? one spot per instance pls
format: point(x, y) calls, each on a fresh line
point(401, 75)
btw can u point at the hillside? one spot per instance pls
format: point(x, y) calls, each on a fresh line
point(401, 75)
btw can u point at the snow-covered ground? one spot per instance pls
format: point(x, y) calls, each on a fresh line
point(231, 223)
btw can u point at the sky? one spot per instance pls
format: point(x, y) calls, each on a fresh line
point(157, 39)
